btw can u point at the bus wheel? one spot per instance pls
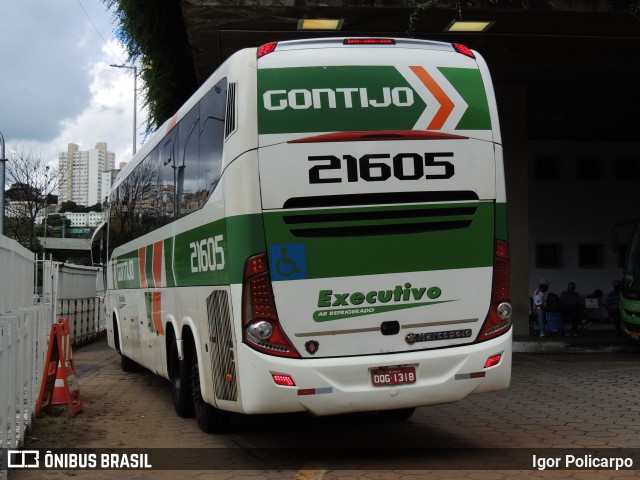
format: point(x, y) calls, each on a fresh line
point(127, 364)
point(180, 383)
point(396, 415)
point(210, 419)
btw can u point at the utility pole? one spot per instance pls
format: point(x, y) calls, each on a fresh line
point(3, 160)
point(135, 94)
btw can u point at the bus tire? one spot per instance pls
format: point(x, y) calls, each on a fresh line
point(209, 418)
point(127, 364)
point(180, 379)
point(396, 415)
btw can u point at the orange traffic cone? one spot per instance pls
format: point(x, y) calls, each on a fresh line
point(59, 396)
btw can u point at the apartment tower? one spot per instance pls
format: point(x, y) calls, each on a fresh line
point(83, 173)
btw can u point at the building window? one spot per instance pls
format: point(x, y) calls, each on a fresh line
point(546, 167)
point(627, 169)
point(588, 168)
point(590, 255)
point(548, 255)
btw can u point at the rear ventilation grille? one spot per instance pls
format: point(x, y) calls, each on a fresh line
point(380, 222)
point(391, 198)
point(230, 122)
point(221, 342)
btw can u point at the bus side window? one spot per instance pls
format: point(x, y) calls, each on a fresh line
point(187, 163)
point(168, 174)
point(212, 113)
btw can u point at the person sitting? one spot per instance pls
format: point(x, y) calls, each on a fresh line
point(572, 307)
point(555, 322)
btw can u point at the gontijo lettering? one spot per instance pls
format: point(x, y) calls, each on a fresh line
point(327, 298)
point(125, 271)
point(303, 99)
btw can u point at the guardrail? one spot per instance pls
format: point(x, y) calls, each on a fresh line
point(86, 321)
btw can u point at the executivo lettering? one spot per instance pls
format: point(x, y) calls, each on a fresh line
point(375, 301)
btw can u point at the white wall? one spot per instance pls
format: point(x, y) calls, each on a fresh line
point(570, 212)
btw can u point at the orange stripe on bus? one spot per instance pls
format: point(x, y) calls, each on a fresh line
point(156, 310)
point(142, 261)
point(446, 105)
point(157, 263)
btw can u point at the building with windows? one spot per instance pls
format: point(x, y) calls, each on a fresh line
point(84, 172)
point(78, 219)
point(108, 178)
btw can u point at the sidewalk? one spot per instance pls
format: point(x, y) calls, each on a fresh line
point(590, 340)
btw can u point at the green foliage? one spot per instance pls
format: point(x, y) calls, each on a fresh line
point(634, 8)
point(73, 207)
point(154, 35)
point(22, 232)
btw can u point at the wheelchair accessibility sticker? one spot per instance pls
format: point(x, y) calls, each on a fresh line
point(288, 261)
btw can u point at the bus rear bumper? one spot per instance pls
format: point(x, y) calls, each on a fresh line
point(343, 385)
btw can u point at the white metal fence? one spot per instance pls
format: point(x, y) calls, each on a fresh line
point(24, 330)
point(24, 336)
point(73, 289)
point(16, 275)
point(25, 324)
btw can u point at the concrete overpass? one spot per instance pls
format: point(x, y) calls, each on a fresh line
point(64, 248)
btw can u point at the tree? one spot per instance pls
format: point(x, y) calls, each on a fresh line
point(154, 35)
point(32, 183)
point(71, 206)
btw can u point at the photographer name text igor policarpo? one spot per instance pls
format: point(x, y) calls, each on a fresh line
point(590, 462)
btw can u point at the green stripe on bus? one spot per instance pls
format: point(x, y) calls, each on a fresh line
point(468, 83)
point(344, 248)
point(168, 261)
point(148, 268)
point(501, 222)
point(126, 270)
point(197, 261)
point(336, 98)
point(248, 234)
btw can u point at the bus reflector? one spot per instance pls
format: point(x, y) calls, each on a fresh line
point(282, 379)
point(462, 49)
point(369, 41)
point(266, 48)
point(492, 361)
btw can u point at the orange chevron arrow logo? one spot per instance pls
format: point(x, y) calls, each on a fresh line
point(446, 104)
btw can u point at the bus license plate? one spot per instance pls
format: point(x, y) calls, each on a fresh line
point(393, 376)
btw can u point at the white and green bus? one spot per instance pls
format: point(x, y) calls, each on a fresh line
point(320, 228)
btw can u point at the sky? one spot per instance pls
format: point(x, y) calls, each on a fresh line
point(56, 83)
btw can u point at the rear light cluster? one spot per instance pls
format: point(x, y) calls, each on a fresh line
point(498, 319)
point(464, 50)
point(369, 41)
point(261, 327)
point(266, 48)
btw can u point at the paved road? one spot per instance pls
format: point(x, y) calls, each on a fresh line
point(581, 402)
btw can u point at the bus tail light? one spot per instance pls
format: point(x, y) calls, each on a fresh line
point(266, 49)
point(261, 328)
point(498, 319)
point(463, 49)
